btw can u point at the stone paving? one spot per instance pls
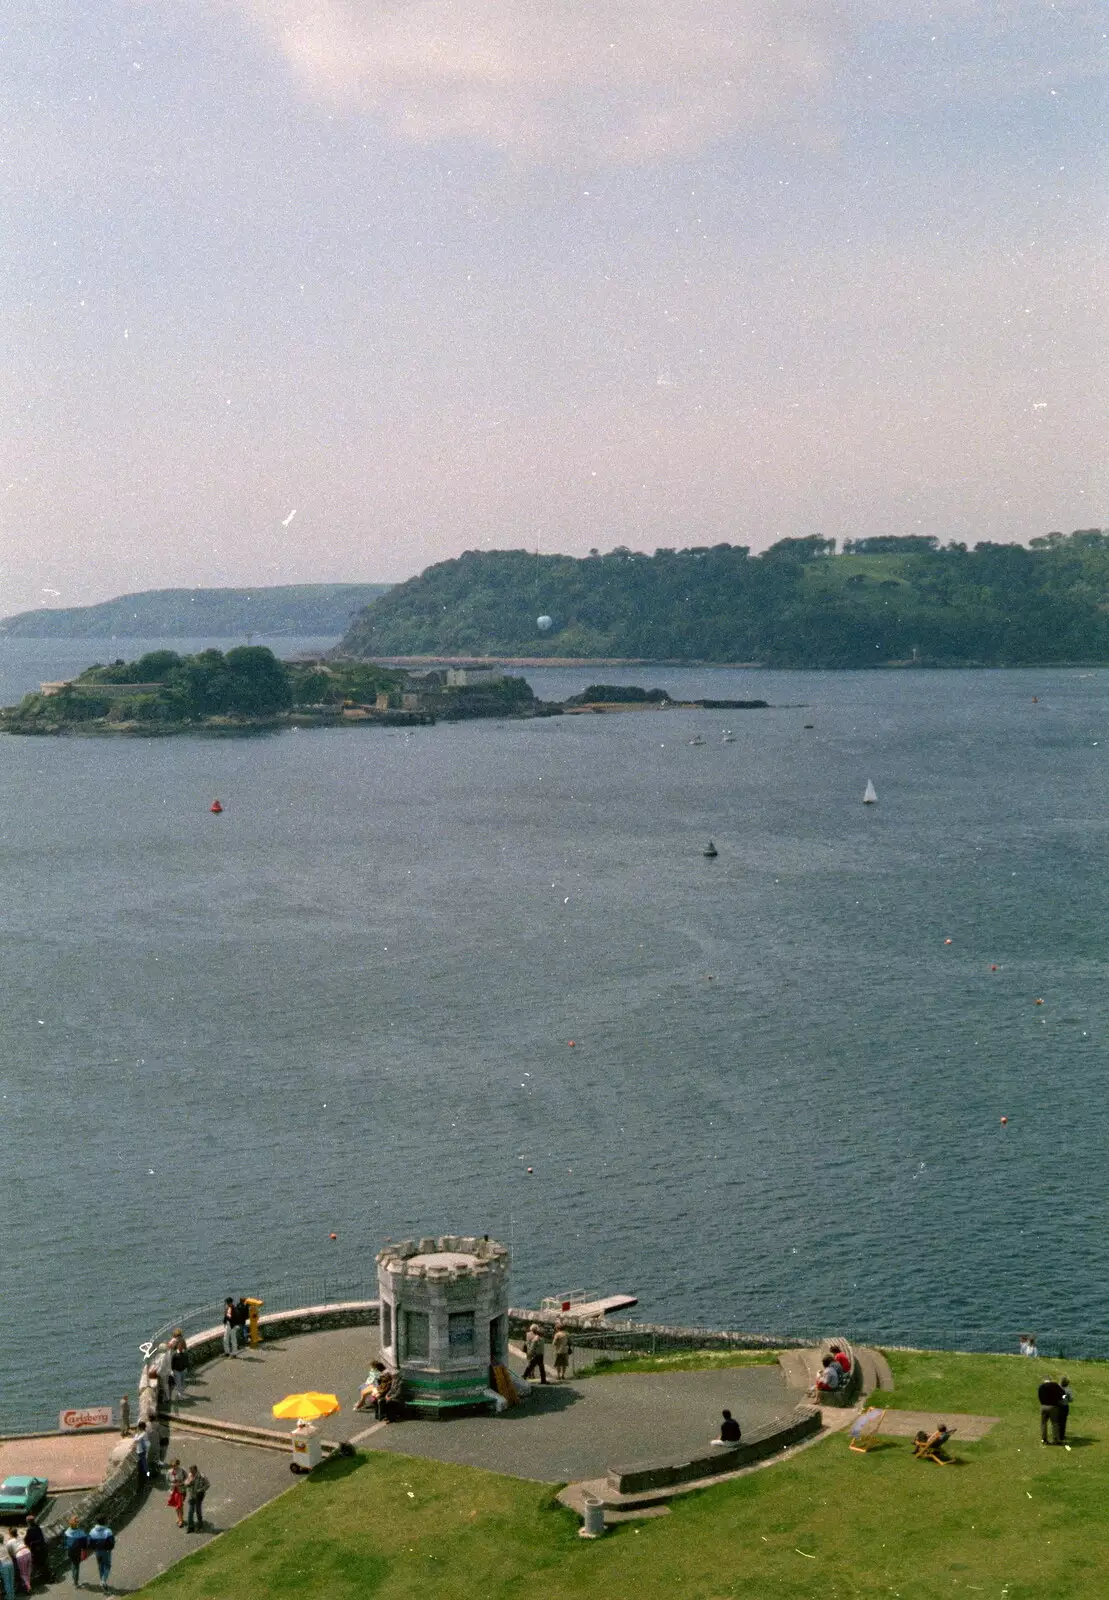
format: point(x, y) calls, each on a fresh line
point(67, 1461)
point(564, 1431)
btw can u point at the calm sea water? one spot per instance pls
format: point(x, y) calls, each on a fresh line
point(346, 1005)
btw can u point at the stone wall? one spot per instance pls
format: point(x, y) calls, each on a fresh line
point(207, 1345)
point(642, 1476)
point(649, 1337)
point(109, 1502)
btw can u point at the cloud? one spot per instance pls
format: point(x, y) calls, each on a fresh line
point(627, 81)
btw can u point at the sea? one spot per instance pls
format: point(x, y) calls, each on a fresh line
point(847, 1077)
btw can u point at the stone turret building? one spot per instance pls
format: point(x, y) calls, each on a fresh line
point(444, 1318)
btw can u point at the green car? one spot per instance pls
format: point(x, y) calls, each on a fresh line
point(20, 1496)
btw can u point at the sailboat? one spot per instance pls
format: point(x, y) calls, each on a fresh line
point(710, 852)
point(870, 794)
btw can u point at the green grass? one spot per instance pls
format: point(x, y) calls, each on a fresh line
point(835, 574)
point(1011, 1520)
point(677, 1361)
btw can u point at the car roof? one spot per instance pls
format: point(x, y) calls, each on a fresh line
point(20, 1482)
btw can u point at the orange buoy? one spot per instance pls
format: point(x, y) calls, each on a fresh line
point(571, 1043)
point(1039, 1002)
point(947, 941)
point(993, 969)
point(1004, 1120)
point(215, 807)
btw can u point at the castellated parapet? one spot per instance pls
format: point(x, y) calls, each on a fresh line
point(444, 1318)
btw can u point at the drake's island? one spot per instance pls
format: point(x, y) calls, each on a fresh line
point(249, 689)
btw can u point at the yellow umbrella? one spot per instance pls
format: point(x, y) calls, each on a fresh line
point(306, 1406)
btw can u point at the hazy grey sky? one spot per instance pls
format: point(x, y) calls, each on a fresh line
point(443, 276)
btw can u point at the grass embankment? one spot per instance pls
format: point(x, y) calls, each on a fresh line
point(1011, 1519)
point(677, 1361)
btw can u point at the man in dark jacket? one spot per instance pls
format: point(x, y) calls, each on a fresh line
point(1052, 1400)
point(242, 1318)
point(35, 1540)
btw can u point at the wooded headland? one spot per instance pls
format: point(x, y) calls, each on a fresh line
point(882, 601)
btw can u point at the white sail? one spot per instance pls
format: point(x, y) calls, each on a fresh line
point(870, 794)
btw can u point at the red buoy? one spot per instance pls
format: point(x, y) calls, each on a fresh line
point(333, 1236)
point(1004, 1120)
point(215, 807)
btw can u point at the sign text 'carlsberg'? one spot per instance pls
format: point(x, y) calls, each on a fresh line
point(73, 1420)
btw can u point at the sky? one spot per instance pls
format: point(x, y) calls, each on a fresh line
point(322, 290)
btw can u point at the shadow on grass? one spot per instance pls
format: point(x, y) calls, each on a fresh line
point(338, 1466)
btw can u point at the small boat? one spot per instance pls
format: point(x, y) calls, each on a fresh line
point(696, 739)
point(727, 737)
point(870, 794)
point(710, 852)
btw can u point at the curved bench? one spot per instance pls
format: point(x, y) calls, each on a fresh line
point(760, 1443)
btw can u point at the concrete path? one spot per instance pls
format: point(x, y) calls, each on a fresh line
point(242, 1480)
point(907, 1424)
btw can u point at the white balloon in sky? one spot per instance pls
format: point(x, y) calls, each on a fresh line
point(543, 623)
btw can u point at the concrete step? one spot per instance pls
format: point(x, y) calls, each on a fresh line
point(653, 1502)
point(237, 1433)
point(796, 1369)
point(875, 1369)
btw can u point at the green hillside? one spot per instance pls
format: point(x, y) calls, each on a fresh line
point(303, 608)
point(798, 604)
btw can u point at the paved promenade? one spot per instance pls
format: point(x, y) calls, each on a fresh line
point(561, 1432)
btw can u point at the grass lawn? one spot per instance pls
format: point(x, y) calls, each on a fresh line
point(677, 1361)
point(1011, 1520)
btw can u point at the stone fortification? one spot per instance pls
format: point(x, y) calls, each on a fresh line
point(444, 1318)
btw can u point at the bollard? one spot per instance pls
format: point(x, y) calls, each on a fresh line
point(593, 1517)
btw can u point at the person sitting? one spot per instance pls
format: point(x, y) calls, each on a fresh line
point(831, 1378)
point(729, 1430)
point(367, 1395)
point(929, 1446)
point(387, 1404)
point(843, 1360)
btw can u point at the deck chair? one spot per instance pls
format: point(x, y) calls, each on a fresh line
point(863, 1432)
point(931, 1448)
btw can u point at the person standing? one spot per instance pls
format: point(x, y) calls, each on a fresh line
point(22, 1558)
point(178, 1363)
point(1051, 1404)
point(1064, 1408)
point(242, 1317)
point(176, 1480)
point(35, 1540)
point(164, 1368)
point(560, 1349)
point(230, 1347)
point(75, 1548)
point(533, 1347)
point(102, 1541)
point(158, 1441)
point(142, 1452)
point(196, 1487)
point(7, 1569)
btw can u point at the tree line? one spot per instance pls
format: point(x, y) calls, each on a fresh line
point(798, 604)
